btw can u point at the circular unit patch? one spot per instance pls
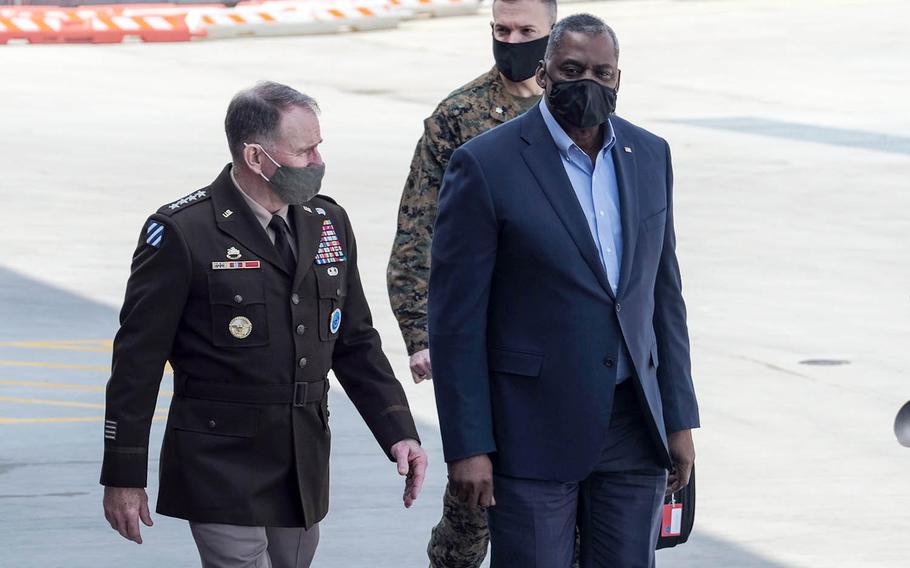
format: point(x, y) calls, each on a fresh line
point(335, 322)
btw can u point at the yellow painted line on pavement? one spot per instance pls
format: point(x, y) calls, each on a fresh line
point(47, 365)
point(64, 386)
point(4, 420)
point(76, 345)
point(19, 400)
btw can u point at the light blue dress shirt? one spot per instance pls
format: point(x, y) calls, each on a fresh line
point(597, 191)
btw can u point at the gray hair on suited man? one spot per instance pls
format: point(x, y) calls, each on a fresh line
point(255, 113)
point(579, 23)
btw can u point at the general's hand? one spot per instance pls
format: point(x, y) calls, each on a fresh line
point(412, 463)
point(123, 507)
point(471, 481)
point(682, 452)
point(420, 366)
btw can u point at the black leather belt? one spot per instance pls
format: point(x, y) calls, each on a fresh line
point(296, 394)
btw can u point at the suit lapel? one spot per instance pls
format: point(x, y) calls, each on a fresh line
point(626, 174)
point(308, 227)
point(542, 158)
point(241, 223)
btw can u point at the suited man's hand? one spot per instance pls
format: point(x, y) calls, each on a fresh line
point(682, 452)
point(471, 481)
point(412, 463)
point(124, 507)
point(420, 366)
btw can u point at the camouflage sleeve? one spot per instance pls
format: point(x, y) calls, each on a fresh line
point(408, 272)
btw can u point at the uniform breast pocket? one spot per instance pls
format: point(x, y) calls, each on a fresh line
point(331, 279)
point(239, 316)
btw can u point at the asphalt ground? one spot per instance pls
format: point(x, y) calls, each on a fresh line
point(789, 129)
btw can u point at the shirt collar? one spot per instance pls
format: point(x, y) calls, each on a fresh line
point(262, 214)
point(562, 140)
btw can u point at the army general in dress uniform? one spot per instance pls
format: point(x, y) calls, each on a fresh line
point(250, 288)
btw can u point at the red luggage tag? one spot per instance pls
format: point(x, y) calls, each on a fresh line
point(672, 519)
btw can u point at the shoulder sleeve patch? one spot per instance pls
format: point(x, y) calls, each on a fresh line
point(195, 197)
point(154, 233)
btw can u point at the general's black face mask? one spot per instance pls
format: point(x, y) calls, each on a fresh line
point(583, 104)
point(518, 61)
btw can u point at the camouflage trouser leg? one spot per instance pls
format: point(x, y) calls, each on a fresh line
point(460, 539)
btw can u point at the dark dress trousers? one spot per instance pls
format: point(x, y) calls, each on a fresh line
point(251, 343)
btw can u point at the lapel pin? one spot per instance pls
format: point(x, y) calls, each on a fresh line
point(227, 213)
point(627, 149)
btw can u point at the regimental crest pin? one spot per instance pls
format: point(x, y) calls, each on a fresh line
point(233, 253)
point(307, 209)
point(240, 327)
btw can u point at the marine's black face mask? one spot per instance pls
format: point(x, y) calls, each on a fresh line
point(518, 61)
point(583, 104)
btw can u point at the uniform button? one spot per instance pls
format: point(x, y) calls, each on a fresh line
point(302, 362)
point(338, 292)
point(608, 363)
point(212, 424)
point(301, 329)
point(618, 307)
point(295, 298)
point(238, 299)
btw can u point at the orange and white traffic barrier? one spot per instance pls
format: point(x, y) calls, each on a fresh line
point(436, 8)
point(292, 18)
point(88, 26)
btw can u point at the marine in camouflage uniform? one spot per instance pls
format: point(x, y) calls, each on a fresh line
point(460, 539)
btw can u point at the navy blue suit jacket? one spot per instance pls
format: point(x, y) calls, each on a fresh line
point(524, 327)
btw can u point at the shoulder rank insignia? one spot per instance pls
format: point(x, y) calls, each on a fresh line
point(194, 197)
point(154, 232)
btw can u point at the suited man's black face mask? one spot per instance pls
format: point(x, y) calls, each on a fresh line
point(584, 103)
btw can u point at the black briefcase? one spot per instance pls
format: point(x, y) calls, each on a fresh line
point(678, 516)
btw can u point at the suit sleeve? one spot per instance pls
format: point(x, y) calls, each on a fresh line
point(674, 372)
point(464, 255)
point(155, 296)
point(363, 369)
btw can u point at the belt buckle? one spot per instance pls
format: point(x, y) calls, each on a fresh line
point(300, 394)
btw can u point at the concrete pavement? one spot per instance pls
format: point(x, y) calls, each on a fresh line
point(790, 136)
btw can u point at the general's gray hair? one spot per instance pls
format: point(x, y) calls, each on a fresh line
point(254, 113)
point(579, 23)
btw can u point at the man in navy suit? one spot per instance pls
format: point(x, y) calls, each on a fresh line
point(557, 324)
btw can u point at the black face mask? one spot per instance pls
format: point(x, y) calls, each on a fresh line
point(582, 104)
point(518, 61)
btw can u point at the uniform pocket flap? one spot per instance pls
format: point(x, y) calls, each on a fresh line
point(330, 279)
point(216, 418)
point(514, 362)
point(236, 287)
